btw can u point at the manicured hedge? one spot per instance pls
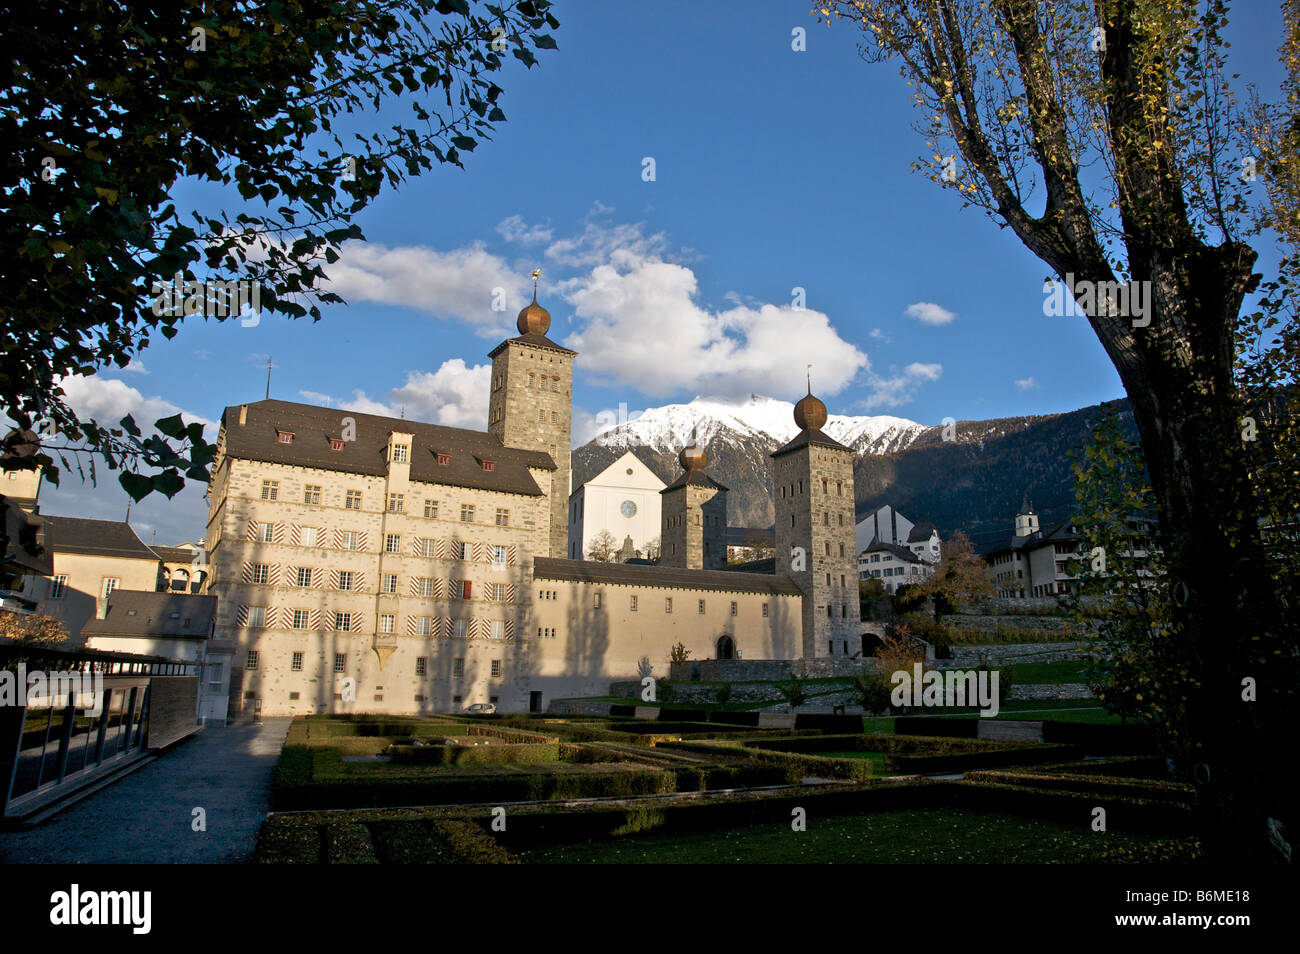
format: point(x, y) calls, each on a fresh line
point(628, 711)
point(474, 754)
point(735, 718)
point(683, 715)
point(317, 839)
point(828, 723)
point(1108, 739)
point(930, 726)
point(1076, 807)
point(1149, 789)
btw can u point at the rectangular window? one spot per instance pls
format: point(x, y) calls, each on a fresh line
point(503, 517)
point(458, 667)
point(297, 662)
point(541, 417)
point(431, 508)
point(336, 443)
point(634, 604)
point(352, 501)
point(668, 605)
point(301, 619)
point(701, 606)
point(489, 465)
point(58, 586)
point(401, 453)
point(343, 622)
point(424, 587)
point(421, 665)
point(340, 662)
point(497, 592)
point(270, 489)
point(311, 494)
point(285, 437)
point(348, 539)
point(392, 543)
point(387, 622)
point(397, 503)
point(555, 417)
point(595, 600)
point(498, 556)
point(734, 608)
point(303, 577)
point(466, 513)
point(466, 589)
point(110, 584)
point(532, 380)
point(424, 626)
point(251, 662)
point(389, 584)
point(496, 669)
point(444, 459)
point(308, 536)
point(346, 579)
point(764, 609)
point(256, 617)
point(265, 532)
point(460, 628)
point(498, 629)
point(555, 384)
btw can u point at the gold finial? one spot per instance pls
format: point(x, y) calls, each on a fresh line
point(537, 273)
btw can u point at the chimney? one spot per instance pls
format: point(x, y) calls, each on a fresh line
point(243, 414)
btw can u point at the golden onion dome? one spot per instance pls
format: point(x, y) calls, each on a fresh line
point(534, 319)
point(693, 458)
point(810, 413)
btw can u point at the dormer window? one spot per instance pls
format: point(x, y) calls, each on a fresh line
point(444, 459)
point(285, 437)
point(401, 453)
point(336, 443)
point(489, 465)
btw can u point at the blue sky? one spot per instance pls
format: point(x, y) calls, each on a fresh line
point(774, 169)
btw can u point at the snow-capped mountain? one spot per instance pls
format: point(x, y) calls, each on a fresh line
point(758, 422)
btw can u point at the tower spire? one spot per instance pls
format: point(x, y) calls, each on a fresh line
point(268, 377)
point(809, 379)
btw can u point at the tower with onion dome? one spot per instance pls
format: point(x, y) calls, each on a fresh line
point(531, 407)
point(693, 529)
point(815, 531)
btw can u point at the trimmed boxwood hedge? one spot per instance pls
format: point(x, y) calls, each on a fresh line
point(474, 754)
point(826, 722)
point(1101, 739)
point(930, 726)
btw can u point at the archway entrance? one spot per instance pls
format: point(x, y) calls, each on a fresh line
point(726, 647)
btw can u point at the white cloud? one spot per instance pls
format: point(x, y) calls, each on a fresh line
point(878, 335)
point(899, 389)
point(1026, 384)
point(639, 326)
point(462, 285)
point(136, 366)
point(108, 401)
point(455, 395)
point(515, 229)
point(927, 312)
point(625, 245)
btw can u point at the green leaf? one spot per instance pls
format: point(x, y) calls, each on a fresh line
point(171, 426)
point(137, 486)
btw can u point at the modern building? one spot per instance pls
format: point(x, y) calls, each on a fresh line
point(367, 563)
point(622, 500)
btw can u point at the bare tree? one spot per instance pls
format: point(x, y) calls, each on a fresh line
point(603, 547)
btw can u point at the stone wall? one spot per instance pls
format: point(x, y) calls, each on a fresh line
point(1068, 628)
point(1062, 691)
point(761, 670)
point(970, 657)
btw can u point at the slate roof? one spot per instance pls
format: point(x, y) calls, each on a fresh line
point(136, 613)
point(921, 532)
point(111, 538)
point(1061, 531)
point(697, 477)
point(809, 436)
point(767, 566)
point(679, 578)
point(902, 553)
point(313, 427)
point(739, 536)
point(537, 341)
point(174, 554)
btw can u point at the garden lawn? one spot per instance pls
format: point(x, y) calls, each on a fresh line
point(926, 836)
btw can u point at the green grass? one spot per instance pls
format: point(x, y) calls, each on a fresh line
point(877, 760)
point(927, 836)
point(1048, 673)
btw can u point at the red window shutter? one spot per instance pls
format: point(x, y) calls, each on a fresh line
point(468, 584)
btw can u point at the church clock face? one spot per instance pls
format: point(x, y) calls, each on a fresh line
point(628, 508)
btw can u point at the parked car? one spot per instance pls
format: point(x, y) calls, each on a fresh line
point(481, 708)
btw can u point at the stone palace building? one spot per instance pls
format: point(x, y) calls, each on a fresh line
point(367, 563)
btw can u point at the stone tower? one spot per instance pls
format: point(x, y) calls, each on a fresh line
point(531, 405)
point(816, 540)
point(1026, 519)
point(694, 517)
